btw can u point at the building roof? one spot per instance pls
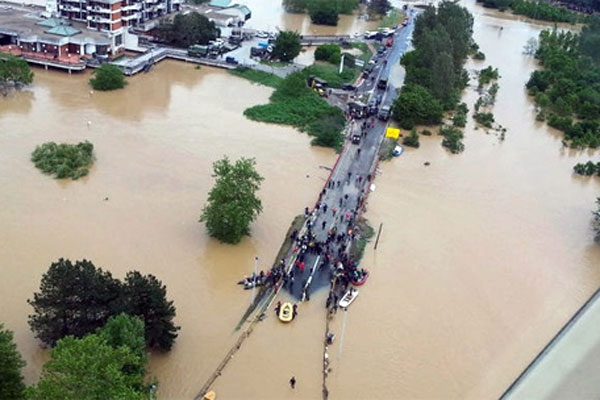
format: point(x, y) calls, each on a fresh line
point(244, 10)
point(52, 22)
point(220, 3)
point(63, 30)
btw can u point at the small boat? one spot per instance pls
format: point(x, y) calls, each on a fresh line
point(397, 151)
point(362, 280)
point(209, 396)
point(348, 298)
point(286, 312)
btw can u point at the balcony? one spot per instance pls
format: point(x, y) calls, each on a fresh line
point(132, 7)
point(100, 20)
point(132, 16)
point(98, 9)
point(71, 8)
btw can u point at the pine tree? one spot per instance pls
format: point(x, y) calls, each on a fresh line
point(74, 299)
point(146, 297)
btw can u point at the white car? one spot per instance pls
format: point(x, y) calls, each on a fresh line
point(262, 35)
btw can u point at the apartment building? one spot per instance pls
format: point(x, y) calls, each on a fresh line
point(114, 16)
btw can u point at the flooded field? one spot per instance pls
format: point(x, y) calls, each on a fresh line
point(483, 255)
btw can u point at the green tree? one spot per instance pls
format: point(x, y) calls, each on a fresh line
point(11, 363)
point(188, 29)
point(287, 46)
point(89, 369)
point(74, 299)
point(14, 72)
point(146, 297)
point(329, 52)
point(380, 7)
point(125, 330)
point(416, 105)
point(232, 202)
point(108, 77)
point(323, 12)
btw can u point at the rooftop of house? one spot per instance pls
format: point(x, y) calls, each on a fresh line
point(29, 24)
point(220, 3)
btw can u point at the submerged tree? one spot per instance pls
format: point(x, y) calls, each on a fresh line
point(14, 72)
point(11, 362)
point(323, 12)
point(232, 202)
point(108, 77)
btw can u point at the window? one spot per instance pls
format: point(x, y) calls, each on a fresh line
point(118, 40)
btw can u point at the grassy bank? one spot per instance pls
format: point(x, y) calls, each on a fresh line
point(366, 233)
point(294, 103)
point(393, 18)
point(260, 77)
point(366, 51)
point(329, 72)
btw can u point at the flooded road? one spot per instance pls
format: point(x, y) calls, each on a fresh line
point(483, 256)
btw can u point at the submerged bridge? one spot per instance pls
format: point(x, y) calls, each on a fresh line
point(345, 193)
point(309, 40)
point(131, 66)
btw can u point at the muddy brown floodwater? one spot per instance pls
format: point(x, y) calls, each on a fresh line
point(483, 256)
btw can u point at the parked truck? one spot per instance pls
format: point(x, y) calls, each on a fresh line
point(197, 50)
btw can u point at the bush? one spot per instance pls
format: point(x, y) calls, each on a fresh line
point(108, 77)
point(484, 118)
point(487, 75)
point(426, 132)
point(587, 169)
point(328, 52)
point(452, 139)
point(460, 116)
point(64, 160)
point(411, 140)
point(479, 55)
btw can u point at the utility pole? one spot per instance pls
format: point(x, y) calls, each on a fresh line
point(378, 234)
